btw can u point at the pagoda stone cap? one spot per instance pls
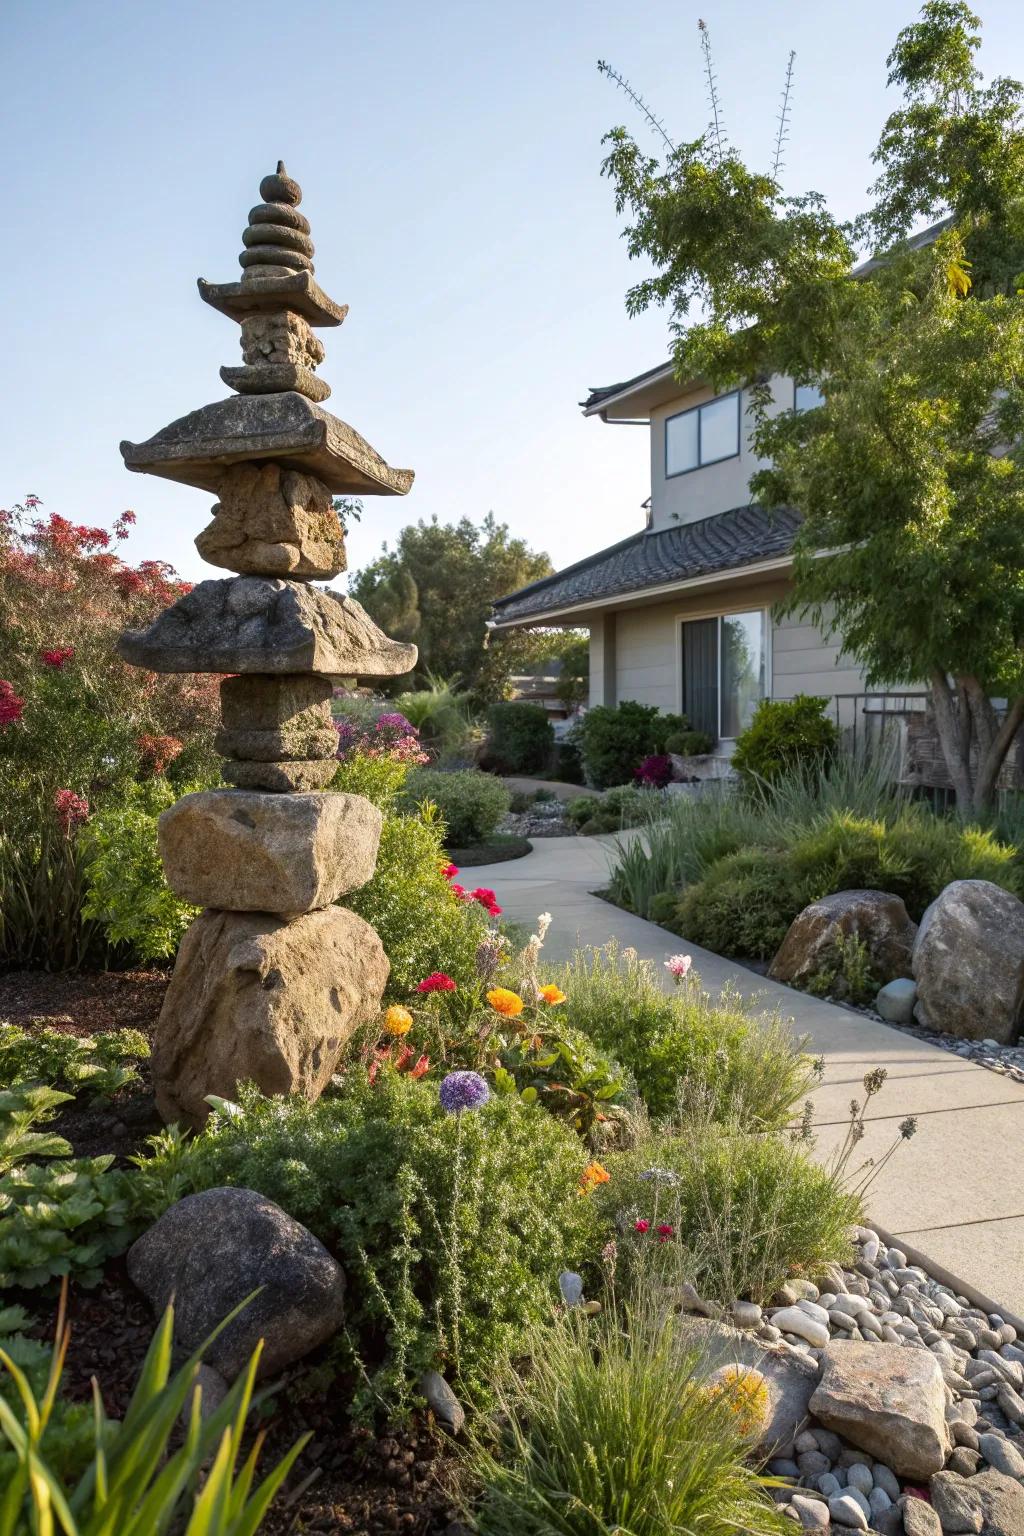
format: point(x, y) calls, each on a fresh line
point(261, 624)
point(298, 291)
point(294, 431)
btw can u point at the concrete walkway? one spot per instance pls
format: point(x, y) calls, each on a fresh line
point(954, 1191)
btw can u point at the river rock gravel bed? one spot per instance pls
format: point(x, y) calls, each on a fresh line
point(920, 1447)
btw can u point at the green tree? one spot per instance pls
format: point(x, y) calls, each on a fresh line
point(910, 474)
point(439, 582)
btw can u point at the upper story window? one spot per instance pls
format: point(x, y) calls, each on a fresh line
point(703, 435)
point(806, 397)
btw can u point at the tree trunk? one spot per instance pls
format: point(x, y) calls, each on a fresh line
point(974, 743)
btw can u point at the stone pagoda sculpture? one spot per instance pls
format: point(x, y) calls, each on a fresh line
point(271, 978)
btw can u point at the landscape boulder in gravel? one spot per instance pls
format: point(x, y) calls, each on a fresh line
point(211, 1250)
point(790, 1378)
point(876, 919)
point(968, 963)
point(887, 1400)
point(989, 1504)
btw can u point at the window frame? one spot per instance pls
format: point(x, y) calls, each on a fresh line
point(702, 463)
point(718, 615)
point(796, 409)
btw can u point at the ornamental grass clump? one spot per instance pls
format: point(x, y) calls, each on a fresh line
point(610, 1429)
point(750, 1065)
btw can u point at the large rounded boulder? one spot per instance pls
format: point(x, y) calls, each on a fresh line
point(813, 946)
point(968, 963)
point(210, 1251)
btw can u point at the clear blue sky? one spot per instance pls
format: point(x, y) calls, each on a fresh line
point(449, 155)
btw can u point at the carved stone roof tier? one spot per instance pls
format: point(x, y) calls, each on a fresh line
point(296, 432)
point(257, 295)
point(259, 624)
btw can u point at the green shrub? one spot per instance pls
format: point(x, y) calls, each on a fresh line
point(97, 1066)
point(379, 778)
point(422, 926)
point(609, 1430)
point(520, 737)
point(452, 1229)
point(439, 711)
point(67, 1442)
point(786, 734)
point(744, 1211)
point(568, 764)
point(689, 743)
point(614, 742)
point(75, 1470)
point(749, 1069)
point(471, 803)
point(744, 905)
point(124, 878)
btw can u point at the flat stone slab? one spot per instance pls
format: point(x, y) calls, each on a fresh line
point(297, 432)
point(298, 291)
point(263, 999)
point(265, 624)
point(243, 851)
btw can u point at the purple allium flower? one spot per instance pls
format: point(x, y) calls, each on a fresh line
point(463, 1090)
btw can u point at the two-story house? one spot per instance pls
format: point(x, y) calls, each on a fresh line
point(680, 614)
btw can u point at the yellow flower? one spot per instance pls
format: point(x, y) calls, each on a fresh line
point(745, 1391)
point(505, 1002)
point(552, 994)
point(593, 1175)
point(397, 1021)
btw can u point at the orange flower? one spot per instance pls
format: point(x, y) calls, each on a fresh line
point(510, 1004)
point(398, 1021)
point(552, 994)
point(593, 1175)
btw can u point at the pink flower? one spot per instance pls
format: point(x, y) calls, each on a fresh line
point(58, 656)
point(641, 1224)
point(437, 981)
point(71, 809)
point(486, 900)
point(678, 965)
point(12, 705)
point(450, 871)
point(459, 892)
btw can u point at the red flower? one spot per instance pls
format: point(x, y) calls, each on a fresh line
point(402, 1057)
point(641, 1224)
point(157, 751)
point(71, 809)
point(459, 892)
point(422, 1066)
point(486, 900)
point(450, 871)
point(665, 1232)
point(58, 656)
point(437, 981)
point(12, 706)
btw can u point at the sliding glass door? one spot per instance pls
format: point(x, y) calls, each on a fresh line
point(724, 670)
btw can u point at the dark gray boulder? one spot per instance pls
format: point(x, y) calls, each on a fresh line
point(209, 1251)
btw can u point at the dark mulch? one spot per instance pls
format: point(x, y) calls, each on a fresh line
point(84, 1001)
point(497, 850)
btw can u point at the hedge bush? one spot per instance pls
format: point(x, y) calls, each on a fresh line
point(470, 803)
point(785, 734)
point(614, 742)
point(689, 743)
point(520, 737)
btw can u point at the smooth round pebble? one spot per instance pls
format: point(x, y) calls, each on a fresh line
point(845, 1510)
point(886, 1478)
point(859, 1476)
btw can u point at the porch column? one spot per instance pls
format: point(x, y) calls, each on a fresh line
point(603, 688)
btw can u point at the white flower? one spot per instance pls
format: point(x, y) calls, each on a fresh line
point(678, 965)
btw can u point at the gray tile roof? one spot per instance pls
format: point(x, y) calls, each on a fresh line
point(725, 542)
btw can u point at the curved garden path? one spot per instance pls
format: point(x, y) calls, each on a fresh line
point(954, 1192)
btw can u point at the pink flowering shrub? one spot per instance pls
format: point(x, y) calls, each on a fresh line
point(655, 771)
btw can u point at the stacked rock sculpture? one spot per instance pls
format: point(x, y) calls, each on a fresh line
point(272, 978)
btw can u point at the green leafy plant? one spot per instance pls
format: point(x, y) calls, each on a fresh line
point(64, 1217)
point(470, 803)
point(421, 924)
point(610, 1429)
point(67, 1440)
point(520, 737)
point(451, 1227)
point(614, 742)
point(786, 734)
point(748, 1065)
point(21, 1108)
point(744, 905)
point(125, 887)
point(689, 743)
point(626, 806)
point(97, 1066)
point(137, 1482)
point(845, 972)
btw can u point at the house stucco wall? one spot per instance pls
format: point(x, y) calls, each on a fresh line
point(635, 652)
point(717, 487)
